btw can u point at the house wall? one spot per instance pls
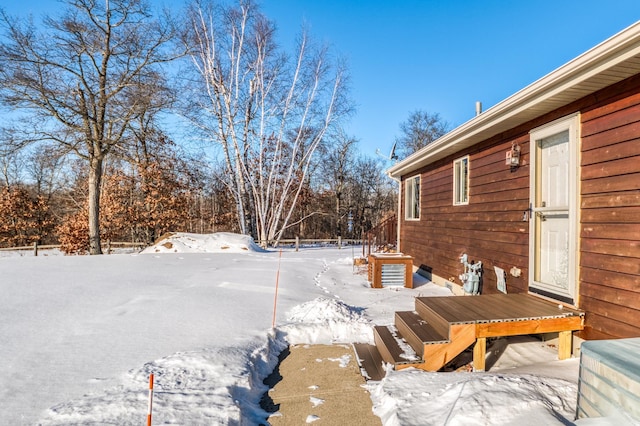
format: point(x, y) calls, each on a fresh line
point(491, 227)
point(610, 212)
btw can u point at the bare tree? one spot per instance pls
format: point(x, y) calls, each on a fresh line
point(80, 77)
point(374, 195)
point(337, 172)
point(419, 130)
point(267, 112)
point(11, 160)
point(45, 168)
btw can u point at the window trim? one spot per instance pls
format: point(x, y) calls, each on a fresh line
point(410, 196)
point(457, 201)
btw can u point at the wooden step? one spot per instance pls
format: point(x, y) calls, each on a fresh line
point(370, 361)
point(417, 332)
point(436, 321)
point(389, 347)
point(437, 356)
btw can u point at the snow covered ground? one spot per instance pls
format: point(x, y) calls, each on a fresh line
point(81, 334)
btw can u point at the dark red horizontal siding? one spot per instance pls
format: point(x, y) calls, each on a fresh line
point(610, 212)
point(489, 229)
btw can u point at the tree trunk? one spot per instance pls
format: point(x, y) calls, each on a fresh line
point(95, 179)
point(264, 239)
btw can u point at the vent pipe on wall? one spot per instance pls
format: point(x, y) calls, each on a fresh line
point(478, 108)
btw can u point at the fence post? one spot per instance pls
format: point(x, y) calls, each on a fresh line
point(35, 248)
point(297, 243)
point(339, 242)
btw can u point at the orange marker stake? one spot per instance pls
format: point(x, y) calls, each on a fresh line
point(275, 298)
point(150, 399)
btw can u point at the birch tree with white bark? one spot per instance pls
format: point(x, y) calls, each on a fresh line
point(267, 112)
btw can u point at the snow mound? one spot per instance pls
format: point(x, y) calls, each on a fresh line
point(220, 242)
point(323, 311)
point(326, 321)
point(209, 386)
point(471, 399)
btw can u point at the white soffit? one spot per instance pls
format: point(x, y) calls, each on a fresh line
point(608, 63)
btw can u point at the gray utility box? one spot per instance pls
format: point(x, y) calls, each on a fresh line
point(609, 383)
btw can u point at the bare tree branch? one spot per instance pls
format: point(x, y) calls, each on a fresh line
point(82, 74)
point(419, 130)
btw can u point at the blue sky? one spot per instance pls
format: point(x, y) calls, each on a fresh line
point(443, 55)
point(439, 56)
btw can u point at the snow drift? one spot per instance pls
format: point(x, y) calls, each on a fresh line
point(183, 242)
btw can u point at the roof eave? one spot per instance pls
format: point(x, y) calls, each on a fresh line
point(511, 112)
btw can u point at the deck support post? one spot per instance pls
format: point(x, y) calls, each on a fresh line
point(479, 354)
point(565, 344)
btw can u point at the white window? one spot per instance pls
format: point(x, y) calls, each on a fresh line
point(461, 181)
point(412, 198)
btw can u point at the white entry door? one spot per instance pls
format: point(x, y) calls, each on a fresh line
point(553, 210)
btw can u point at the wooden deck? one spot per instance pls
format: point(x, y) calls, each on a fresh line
point(501, 315)
point(443, 327)
point(496, 308)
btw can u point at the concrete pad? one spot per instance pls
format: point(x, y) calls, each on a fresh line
point(321, 384)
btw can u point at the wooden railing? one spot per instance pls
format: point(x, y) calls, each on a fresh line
point(297, 242)
point(384, 236)
point(107, 246)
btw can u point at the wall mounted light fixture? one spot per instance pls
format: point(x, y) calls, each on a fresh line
point(513, 156)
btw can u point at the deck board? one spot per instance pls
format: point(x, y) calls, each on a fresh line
point(497, 308)
point(370, 361)
point(421, 329)
point(451, 310)
point(469, 310)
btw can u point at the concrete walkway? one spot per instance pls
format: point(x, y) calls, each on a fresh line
point(321, 384)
